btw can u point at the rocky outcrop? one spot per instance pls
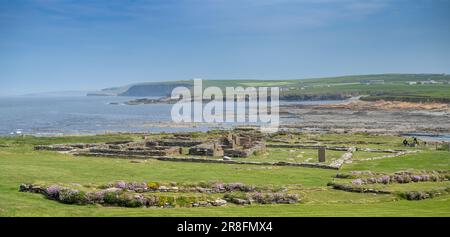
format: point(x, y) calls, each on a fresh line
point(357, 189)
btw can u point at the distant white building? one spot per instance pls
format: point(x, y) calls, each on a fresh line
point(374, 82)
point(412, 83)
point(428, 82)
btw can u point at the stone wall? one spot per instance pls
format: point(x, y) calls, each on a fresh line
point(207, 149)
point(158, 151)
point(180, 143)
point(201, 160)
point(349, 188)
point(64, 147)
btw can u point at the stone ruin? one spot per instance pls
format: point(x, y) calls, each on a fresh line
point(168, 147)
point(232, 145)
point(133, 149)
point(207, 149)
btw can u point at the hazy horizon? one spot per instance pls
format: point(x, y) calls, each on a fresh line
point(81, 91)
point(86, 46)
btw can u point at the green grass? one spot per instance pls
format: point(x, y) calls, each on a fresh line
point(424, 160)
point(293, 155)
point(19, 163)
point(360, 155)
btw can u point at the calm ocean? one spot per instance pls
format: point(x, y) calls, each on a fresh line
point(46, 116)
point(86, 115)
point(78, 115)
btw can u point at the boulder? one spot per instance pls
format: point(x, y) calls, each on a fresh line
point(24, 187)
point(219, 202)
point(163, 189)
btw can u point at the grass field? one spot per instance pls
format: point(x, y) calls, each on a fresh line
point(19, 163)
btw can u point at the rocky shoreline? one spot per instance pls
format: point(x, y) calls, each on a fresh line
point(286, 98)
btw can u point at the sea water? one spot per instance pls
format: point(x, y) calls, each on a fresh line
point(46, 116)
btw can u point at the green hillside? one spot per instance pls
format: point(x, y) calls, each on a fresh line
point(402, 87)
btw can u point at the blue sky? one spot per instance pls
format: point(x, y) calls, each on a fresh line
point(48, 45)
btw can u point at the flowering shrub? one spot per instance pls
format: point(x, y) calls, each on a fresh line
point(372, 180)
point(131, 194)
point(402, 179)
point(153, 185)
point(238, 187)
point(425, 177)
point(71, 196)
point(434, 178)
point(218, 186)
point(385, 179)
point(357, 182)
point(130, 200)
point(415, 195)
point(165, 201)
point(138, 187)
point(95, 197)
point(121, 185)
point(52, 192)
point(416, 178)
point(407, 178)
point(203, 187)
point(268, 198)
point(133, 186)
point(258, 197)
point(152, 200)
point(111, 198)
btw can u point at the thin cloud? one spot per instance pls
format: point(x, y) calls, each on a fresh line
point(221, 15)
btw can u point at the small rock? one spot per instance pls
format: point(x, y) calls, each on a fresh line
point(226, 158)
point(136, 161)
point(139, 190)
point(24, 187)
point(219, 202)
point(112, 190)
point(163, 189)
point(204, 203)
point(240, 201)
